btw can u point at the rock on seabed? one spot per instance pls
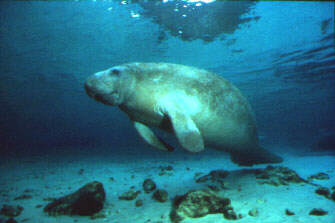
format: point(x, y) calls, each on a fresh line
point(198, 203)
point(86, 201)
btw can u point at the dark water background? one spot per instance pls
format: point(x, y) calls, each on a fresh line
point(280, 54)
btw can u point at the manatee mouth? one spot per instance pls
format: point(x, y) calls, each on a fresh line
point(107, 99)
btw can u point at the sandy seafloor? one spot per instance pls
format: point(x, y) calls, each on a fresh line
point(56, 175)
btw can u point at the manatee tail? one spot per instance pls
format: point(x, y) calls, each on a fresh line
point(254, 156)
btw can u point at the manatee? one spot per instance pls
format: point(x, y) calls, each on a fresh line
point(200, 108)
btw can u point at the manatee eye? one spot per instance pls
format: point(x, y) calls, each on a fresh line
point(115, 71)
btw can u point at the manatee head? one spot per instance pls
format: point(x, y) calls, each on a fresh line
point(110, 86)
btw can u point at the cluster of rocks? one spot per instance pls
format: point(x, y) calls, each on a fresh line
point(277, 176)
point(193, 204)
point(271, 175)
point(149, 186)
point(86, 201)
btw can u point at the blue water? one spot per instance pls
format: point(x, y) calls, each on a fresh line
point(280, 54)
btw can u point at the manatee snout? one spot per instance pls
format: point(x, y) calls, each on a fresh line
point(101, 87)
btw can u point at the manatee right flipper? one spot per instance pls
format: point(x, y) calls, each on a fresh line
point(149, 136)
point(254, 156)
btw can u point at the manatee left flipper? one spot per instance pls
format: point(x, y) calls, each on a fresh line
point(186, 131)
point(149, 136)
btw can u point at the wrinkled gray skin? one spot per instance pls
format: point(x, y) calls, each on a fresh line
point(200, 108)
